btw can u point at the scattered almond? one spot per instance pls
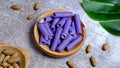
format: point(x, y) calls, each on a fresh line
point(71, 64)
point(36, 6)
point(30, 16)
point(93, 61)
point(105, 46)
point(88, 48)
point(15, 7)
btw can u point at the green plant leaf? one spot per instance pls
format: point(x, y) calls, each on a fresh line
point(97, 7)
point(108, 1)
point(102, 17)
point(112, 26)
point(101, 7)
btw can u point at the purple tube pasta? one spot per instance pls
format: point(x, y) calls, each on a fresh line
point(62, 14)
point(62, 46)
point(56, 39)
point(42, 40)
point(61, 22)
point(66, 28)
point(43, 30)
point(74, 43)
point(53, 25)
point(48, 19)
point(49, 30)
point(71, 31)
point(48, 42)
point(78, 27)
point(73, 26)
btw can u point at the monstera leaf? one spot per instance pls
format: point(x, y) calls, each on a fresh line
point(112, 26)
point(107, 12)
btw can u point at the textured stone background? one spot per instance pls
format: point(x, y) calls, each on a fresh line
point(16, 30)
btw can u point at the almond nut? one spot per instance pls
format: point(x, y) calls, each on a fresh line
point(71, 64)
point(16, 65)
point(88, 48)
point(14, 60)
point(8, 52)
point(1, 66)
point(30, 16)
point(93, 61)
point(2, 56)
point(37, 6)
point(14, 55)
point(6, 58)
point(5, 64)
point(15, 7)
point(105, 46)
point(11, 66)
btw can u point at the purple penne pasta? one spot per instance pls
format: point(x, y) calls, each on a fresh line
point(62, 46)
point(71, 31)
point(43, 30)
point(56, 39)
point(48, 42)
point(61, 22)
point(49, 30)
point(77, 24)
point(62, 14)
point(73, 26)
point(66, 28)
point(74, 43)
point(42, 40)
point(48, 19)
point(53, 25)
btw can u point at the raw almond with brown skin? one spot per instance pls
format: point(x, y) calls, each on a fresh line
point(105, 46)
point(88, 48)
point(71, 64)
point(1, 67)
point(36, 6)
point(16, 65)
point(93, 61)
point(30, 16)
point(6, 58)
point(15, 7)
point(11, 66)
point(2, 56)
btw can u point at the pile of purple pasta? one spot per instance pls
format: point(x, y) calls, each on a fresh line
point(61, 31)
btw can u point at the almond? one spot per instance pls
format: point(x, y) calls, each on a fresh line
point(93, 61)
point(71, 64)
point(16, 65)
point(15, 7)
point(105, 46)
point(30, 16)
point(2, 56)
point(88, 48)
point(36, 6)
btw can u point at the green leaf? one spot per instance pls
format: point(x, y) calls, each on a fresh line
point(102, 17)
point(97, 7)
point(108, 1)
point(101, 7)
point(112, 26)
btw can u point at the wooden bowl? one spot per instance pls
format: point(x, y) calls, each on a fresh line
point(24, 53)
point(46, 49)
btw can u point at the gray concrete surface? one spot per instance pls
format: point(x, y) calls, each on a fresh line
point(17, 30)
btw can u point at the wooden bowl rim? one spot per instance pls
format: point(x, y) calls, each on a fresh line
point(45, 49)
